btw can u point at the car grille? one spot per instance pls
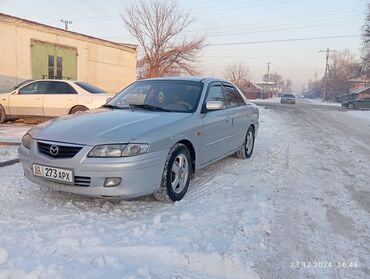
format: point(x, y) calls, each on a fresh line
point(82, 181)
point(58, 150)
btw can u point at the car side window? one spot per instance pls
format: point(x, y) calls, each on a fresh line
point(233, 98)
point(59, 87)
point(215, 94)
point(34, 88)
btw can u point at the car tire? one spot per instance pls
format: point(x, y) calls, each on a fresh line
point(176, 174)
point(351, 106)
point(2, 114)
point(246, 150)
point(78, 109)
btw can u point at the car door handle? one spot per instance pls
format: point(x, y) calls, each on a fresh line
point(37, 99)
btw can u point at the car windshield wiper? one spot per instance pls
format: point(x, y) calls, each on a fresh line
point(150, 107)
point(111, 106)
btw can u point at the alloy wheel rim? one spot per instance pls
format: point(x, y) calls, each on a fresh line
point(180, 170)
point(249, 142)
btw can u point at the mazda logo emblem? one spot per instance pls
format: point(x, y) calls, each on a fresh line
point(54, 150)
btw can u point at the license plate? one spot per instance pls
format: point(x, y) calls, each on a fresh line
point(58, 174)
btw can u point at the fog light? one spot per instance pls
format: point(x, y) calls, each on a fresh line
point(112, 181)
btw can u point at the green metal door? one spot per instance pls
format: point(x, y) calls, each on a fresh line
point(53, 61)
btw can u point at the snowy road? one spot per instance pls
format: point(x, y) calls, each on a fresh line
point(298, 209)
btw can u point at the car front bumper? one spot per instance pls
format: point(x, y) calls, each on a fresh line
point(141, 175)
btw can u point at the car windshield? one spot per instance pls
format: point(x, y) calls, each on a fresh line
point(163, 95)
point(90, 88)
point(288, 95)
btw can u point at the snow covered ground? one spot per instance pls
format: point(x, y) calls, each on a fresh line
point(303, 198)
point(320, 102)
point(362, 114)
point(13, 133)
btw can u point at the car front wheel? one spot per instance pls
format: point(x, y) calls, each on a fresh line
point(176, 174)
point(2, 114)
point(246, 150)
point(351, 106)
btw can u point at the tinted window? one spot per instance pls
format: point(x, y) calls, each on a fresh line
point(289, 95)
point(34, 88)
point(171, 95)
point(59, 87)
point(233, 98)
point(89, 87)
point(215, 94)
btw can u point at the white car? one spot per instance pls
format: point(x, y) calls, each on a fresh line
point(51, 98)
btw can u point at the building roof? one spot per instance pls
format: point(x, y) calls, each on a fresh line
point(22, 21)
point(361, 90)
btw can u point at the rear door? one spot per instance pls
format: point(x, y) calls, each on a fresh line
point(28, 99)
point(217, 126)
point(238, 114)
point(59, 98)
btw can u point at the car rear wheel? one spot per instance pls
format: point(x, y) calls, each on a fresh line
point(176, 174)
point(78, 109)
point(351, 106)
point(246, 150)
point(2, 114)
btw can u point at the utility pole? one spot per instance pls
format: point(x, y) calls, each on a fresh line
point(66, 23)
point(267, 79)
point(327, 51)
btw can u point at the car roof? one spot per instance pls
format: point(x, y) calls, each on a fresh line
point(189, 78)
point(64, 80)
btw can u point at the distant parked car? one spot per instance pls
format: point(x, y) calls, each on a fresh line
point(357, 104)
point(50, 98)
point(287, 99)
point(150, 138)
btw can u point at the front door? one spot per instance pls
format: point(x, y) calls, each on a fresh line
point(217, 127)
point(28, 99)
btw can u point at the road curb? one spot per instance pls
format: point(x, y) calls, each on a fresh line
point(9, 163)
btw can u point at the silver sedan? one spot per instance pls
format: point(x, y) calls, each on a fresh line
point(150, 138)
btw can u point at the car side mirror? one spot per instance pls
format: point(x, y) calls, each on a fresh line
point(16, 92)
point(214, 105)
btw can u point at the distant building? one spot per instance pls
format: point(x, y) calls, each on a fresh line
point(358, 83)
point(360, 93)
point(32, 50)
point(250, 90)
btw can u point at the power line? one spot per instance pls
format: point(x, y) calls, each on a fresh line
point(284, 40)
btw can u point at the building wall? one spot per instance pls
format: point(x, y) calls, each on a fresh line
point(104, 64)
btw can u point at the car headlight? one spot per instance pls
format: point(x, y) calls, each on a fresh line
point(26, 140)
point(118, 150)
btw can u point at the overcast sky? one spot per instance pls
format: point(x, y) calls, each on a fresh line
point(228, 22)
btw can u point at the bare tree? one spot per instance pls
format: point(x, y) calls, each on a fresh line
point(158, 25)
point(342, 67)
point(237, 73)
point(366, 45)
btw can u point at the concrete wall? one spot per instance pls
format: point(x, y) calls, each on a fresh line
point(108, 65)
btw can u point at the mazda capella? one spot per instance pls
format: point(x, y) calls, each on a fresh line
point(150, 138)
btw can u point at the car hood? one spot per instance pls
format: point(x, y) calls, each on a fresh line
point(103, 126)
